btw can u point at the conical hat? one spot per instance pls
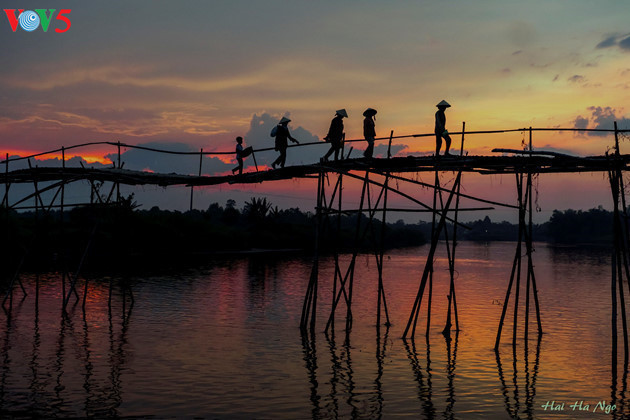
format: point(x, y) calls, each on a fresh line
point(342, 112)
point(444, 104)
point(369, 111)
point(284, 120)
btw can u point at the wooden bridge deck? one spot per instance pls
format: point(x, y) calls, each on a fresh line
point(533, 162)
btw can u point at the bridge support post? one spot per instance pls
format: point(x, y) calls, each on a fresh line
point(428, 267)
point(525, 233)
point(620, 257)
point(379, 254)
point(309, 307)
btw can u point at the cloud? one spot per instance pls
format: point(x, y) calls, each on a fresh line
point(259, 137)
point(621, 41)
point(138, 159)
point(601, 118)
point(581, 80)
point(74, 162)
point(380, 150)
point(576, 79)
point(608, 42)
point(580, 122)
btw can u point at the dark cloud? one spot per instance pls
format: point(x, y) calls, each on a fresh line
point(622, 41)
point(601, 118)
point(608, 42)
point(259, 136)
point(580, 122)
point(625, 43)
point(74, 162)
point(576, 78)
point(138, 159)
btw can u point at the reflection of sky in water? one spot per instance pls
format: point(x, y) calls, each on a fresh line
point(223, 341)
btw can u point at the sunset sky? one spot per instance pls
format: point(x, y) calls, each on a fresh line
point(194, 74)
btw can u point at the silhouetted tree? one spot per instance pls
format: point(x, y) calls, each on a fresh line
point(256, 209)
point(571, 226)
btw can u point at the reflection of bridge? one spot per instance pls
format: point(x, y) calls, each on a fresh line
point(379, 177)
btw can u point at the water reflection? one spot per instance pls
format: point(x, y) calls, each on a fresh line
point(221, 342)
point(451, 351)
point(622, 410)
point(526, 384)
point(344, 397)
point(342, 377)
point(381, 345)
point(423, 377)
point(117, 358)
point(37, 386)
point(310, 357)
point(4, 355)
point(59, 360)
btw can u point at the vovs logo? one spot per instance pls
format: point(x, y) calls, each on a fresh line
point(30, 20)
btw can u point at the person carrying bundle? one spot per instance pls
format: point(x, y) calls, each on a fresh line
point(240, 154)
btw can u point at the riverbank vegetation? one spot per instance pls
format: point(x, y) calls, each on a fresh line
point(122, 235)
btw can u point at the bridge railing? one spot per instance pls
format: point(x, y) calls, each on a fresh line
point(202, 153)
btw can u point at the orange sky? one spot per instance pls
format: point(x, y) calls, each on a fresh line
point(235, 70)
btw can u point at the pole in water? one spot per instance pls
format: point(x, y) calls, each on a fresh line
point(192, 187)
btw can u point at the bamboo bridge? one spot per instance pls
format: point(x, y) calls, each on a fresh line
point(383, 175)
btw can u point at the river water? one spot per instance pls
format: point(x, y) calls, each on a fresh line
point(222, 341)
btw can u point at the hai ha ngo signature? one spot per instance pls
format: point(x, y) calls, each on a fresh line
point(579, 406)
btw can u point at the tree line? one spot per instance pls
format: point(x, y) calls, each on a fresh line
point(123, 235)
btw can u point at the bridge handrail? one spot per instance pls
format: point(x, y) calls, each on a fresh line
point(174, 152)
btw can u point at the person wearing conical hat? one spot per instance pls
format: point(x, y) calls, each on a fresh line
point(335, 134)
point(369, 132)
point(282, 135)
point(440, 129)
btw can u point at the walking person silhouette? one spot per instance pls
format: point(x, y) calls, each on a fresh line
point(335, 134)
point(239, 157)
point(282, 135)
point(440, 129)
point(369, 133)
